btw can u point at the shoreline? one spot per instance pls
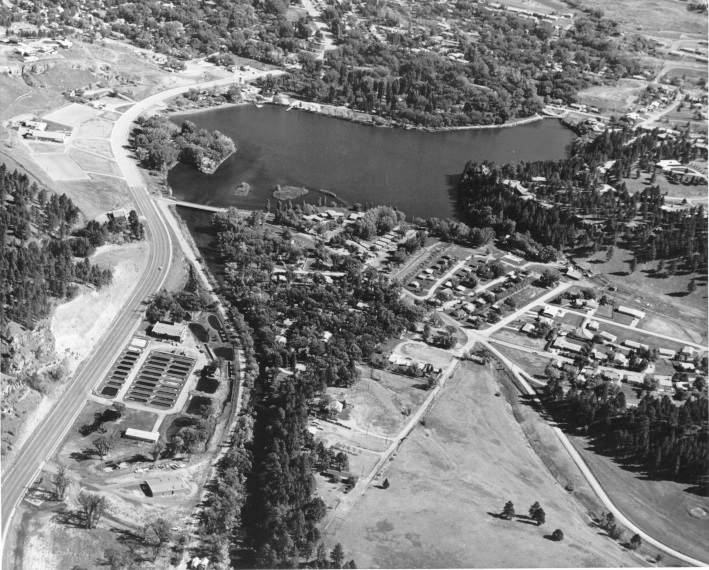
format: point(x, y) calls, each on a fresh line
point(360, 118)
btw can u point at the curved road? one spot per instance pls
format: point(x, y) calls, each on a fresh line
point(45, 439)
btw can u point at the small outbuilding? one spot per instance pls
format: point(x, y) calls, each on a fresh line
point(166, 486)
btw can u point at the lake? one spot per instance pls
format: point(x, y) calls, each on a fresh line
point(412, 170)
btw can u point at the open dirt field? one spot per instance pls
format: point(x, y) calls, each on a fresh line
point(425, 353)
point(657, 506)
point(617, 98)
point(379, 405)
point(95, 146)
point(60, 167)
point(449, 481)
point(73, 114)
point(93, 163)
point(99, 128)
point(78, 324)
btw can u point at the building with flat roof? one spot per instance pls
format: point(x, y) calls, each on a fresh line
point(562, 344)
point(52, 136)
point(166, 486)
point(141, 435)
point(632, 312)
point(169, 331)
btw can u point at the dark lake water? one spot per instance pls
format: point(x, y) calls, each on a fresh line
point(415, 171)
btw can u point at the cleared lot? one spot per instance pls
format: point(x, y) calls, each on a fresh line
point(449, 481)
point(96, 128)
point(93, 163)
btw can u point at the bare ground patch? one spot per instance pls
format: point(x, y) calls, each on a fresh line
point(79, 324)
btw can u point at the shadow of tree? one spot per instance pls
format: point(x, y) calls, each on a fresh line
point(83, 455)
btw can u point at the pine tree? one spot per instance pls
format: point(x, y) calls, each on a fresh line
point(509, 511)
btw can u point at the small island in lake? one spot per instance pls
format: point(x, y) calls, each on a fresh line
point(242, 189)
point(288, 192)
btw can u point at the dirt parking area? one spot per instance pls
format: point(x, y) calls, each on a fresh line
point(449, 481)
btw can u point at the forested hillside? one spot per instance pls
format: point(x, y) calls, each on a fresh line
point(40, 246)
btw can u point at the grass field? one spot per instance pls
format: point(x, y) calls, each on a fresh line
point(97, 195)
point(99, 128)
point(93, 163)
point(96, 146)
point(660, 507)
point(60, 167)
point(451, 478)
point(73, 114)
point(679, 190)
point(517, 337)
point(644, 282)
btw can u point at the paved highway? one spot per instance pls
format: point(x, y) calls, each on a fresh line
point(45, 439)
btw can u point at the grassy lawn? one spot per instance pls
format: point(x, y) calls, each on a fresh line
point(516, 337)
point(93, 163)
point(449, 480)
point(647, 286)
point(659, 507)
point(640, 336)
point(672, 189)
point(532, 364)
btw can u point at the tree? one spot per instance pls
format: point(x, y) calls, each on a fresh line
point(636, 542)
point(120, 408)
point(386, 484)
point(549, 278)
point(118, 558)
point(92, 505)
point(321, 556)
point(539, 516)
point(61, 483)
point(632, 265)
point(692, 286)
point(103, 445)
point(557, 535)
point(158, 448)
point(615, 532)
point(533, 509)
point(337, 555)
point(609, 253)
point(161, 535)
point(509, 511)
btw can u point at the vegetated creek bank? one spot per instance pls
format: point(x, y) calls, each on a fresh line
point(412, 170)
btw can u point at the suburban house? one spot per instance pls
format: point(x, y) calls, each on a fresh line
point(667, 353)
point(635, 345)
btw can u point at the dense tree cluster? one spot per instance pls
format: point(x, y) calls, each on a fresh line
point(505, 69)
point(280, 513)
point(177, 307)
point(38, 262)
point(668, 440)
point(159, 143)
point(567, 210)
